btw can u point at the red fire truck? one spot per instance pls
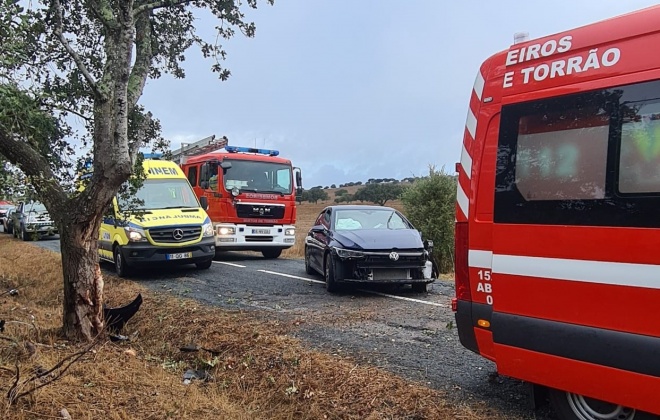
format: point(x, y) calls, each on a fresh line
point(251, 194)
point(558, 218)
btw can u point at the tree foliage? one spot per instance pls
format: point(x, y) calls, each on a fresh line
point(430, 205)
point(316, 194)
point(379, 193)
point(91, 59)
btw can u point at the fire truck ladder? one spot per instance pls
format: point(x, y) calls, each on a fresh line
point(205, 145)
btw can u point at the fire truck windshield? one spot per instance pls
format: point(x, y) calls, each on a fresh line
point(250, 175)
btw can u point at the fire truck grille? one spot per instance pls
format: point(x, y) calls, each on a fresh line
point(175, 234)
point(262, 211)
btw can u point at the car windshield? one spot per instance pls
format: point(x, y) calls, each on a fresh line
point(264, 177)
point(369, 219)
point(161, 194)
point(35, 207)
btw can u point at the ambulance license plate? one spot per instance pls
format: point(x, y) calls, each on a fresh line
point(261, 231)
point(179, 256)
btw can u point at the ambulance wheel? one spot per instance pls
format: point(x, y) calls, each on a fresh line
point(569, 406)
point(121, 267)
point(204, 265)
point(271, 253)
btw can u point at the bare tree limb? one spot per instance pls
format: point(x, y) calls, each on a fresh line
point(59, 27)
point(20, 153)
point(13, 394)
point(157, 5)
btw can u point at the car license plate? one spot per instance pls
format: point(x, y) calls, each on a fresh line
point(179, 256)
point(261, 231)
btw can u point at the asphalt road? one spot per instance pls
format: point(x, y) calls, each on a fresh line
point(410, 334)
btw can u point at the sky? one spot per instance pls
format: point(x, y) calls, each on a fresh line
point(355, 89)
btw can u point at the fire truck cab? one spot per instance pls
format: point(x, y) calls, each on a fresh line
point(557, 250)
point(252, 197)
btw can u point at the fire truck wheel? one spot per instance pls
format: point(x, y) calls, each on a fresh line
point(569, 406)
point(271, 253)
point(308, 268)
point(204, 264)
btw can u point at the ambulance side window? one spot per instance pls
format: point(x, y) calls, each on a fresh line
point(588, 158)
point(192, 175)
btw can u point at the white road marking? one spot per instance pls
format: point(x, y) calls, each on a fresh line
point(228, 263)
point(291, 276)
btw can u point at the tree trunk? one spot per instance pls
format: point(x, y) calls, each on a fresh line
point(83, 282)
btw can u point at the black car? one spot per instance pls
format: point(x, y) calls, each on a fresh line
point(367, 244)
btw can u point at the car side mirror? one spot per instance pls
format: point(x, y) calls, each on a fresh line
point(318, 229)
point(428, 245)
point(204, 202)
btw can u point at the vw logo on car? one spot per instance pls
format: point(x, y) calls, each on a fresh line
point(394, 256)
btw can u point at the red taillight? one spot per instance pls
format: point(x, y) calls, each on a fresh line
point(462, 275)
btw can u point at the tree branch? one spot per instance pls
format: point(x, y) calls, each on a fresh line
point(58, 30)
point(20, 153)
point(157, 5)
point(144, 55)
point(103, 12)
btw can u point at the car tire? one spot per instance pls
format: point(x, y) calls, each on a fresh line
point(121, 267)
point(330, 274)
point(271, 253)
point(569, 406)
point(204, 265)
point(420, 287)
point(308, 267)
point(24, 235)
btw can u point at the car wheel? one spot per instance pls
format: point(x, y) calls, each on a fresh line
point(24, 235)
point(330, 275)
point(204, 265)
point(121, 268)
point(420, 287)
point(308, 267)
point(271, 253)
point(571, 406)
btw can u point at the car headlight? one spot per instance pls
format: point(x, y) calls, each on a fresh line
point(207, 229)
point(290, 232)
point(32, 219)
point(226, 230)
point(135, 234)
point(347, 253)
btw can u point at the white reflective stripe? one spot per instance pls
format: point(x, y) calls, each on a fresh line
point(471, 123)
point(462, 200)
point(479, 85)
point(466, 162)
point(587, 271)
point(481, 259)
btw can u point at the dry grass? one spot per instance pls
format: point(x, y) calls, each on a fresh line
point(259, 372)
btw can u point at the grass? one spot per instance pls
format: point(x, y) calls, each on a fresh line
point(259, 371)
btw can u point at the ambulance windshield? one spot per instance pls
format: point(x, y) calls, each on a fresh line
point(158, 194)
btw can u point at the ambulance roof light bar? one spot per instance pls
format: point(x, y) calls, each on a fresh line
point(235, 149)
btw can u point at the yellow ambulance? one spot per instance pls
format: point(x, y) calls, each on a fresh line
point(169, 226)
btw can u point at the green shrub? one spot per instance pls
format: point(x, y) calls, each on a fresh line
point(429, 204)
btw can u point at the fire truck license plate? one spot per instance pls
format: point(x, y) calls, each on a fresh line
point(261, 231)
point(179, 256)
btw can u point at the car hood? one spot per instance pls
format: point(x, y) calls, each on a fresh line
point(379, 239)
